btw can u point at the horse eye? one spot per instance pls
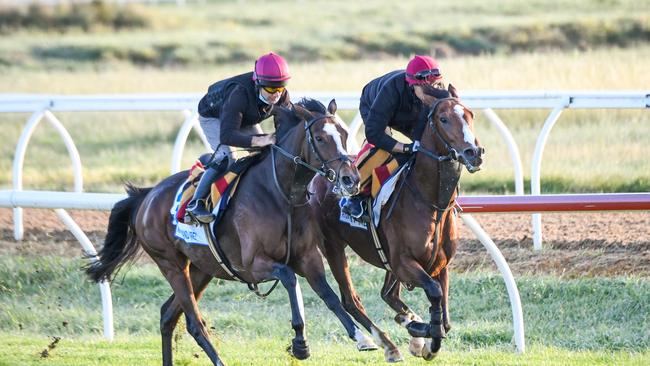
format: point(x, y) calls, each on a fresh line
point(319, 139)
point(443, 119)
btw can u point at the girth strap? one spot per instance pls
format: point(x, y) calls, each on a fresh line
point(375, 238)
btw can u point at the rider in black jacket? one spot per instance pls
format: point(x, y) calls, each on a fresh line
point(230, 114)
point(395, 100)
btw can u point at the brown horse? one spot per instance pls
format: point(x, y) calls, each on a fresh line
point(417, 228)
point(267, 233)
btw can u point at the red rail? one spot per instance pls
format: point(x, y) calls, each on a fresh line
point(556, 202)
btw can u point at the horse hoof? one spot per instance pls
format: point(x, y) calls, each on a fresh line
point(431, 348)
point(364, 343)
point(415, 346)
point(393, 356)
point(299, 349)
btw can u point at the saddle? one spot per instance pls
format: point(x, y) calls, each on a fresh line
point(223, 188)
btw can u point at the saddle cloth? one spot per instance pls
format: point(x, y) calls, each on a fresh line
point(220, 193)
point(379, 181)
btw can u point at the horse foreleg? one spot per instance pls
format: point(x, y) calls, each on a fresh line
point(443, 279)
point(171, 311)
point(434, 331)
point(179, 279)
point(311, 267)
point(352, 302)
point(287, 277)
point(390, 293)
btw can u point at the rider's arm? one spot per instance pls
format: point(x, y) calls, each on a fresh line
point(232, 114)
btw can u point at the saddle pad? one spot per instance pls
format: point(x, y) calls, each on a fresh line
point(221, 191)
point(384, 194)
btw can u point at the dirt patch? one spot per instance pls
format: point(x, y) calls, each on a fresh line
point(580, 244)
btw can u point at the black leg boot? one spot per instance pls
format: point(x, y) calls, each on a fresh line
point(196, 208)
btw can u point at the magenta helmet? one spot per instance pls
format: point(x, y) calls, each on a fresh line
point(271, 70)
point(422, 69)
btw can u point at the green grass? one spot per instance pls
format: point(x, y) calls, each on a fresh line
point(568, 321)
point(139, 351)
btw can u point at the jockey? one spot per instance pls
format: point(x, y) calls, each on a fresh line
point(230, 114)
point(393, 100)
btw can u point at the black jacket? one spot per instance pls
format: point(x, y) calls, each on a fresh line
point(388, 101)
point(235, 102)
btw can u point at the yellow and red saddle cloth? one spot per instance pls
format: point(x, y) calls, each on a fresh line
point(375, 167)
point(224, 185)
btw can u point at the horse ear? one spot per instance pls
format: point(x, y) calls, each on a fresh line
point(301, 112)
point(331, 108)
point(452, 90)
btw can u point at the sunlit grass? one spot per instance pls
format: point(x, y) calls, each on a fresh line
point(567, 321)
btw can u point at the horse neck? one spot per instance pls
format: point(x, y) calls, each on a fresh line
point(435, 180)
point(291, 178)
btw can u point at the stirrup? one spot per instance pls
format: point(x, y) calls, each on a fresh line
point(199, 213)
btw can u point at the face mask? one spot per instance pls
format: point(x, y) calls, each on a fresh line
point(261, 97)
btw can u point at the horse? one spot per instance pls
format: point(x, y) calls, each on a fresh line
point(417, 228)
point(267, 232)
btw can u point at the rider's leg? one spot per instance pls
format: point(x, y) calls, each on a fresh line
point(368, 160)
point(197, 207)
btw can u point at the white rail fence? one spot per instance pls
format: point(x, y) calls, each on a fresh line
point(43, 107)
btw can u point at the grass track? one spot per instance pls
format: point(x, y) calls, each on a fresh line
point(568, 321)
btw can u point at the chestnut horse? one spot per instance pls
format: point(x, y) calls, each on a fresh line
point(417, 228)
point(267, 232)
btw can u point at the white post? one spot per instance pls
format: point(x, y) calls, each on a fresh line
point(104, 286)
point(17, 172)
point(191, 121)
point(353, 145)
point(511, 285)
point(535, 171)
point(513, 149)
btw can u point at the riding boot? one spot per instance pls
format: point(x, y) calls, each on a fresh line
point(196, 208)
point(353, 206)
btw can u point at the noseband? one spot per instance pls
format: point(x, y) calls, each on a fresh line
point(452, 153)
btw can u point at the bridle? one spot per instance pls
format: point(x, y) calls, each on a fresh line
point(452, 153)
point(324, 170)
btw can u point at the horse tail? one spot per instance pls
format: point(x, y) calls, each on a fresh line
point(121, 243)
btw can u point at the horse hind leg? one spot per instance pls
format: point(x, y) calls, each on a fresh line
point(171, 311)
point(391, 294)
point(179, 279)
point(299, 348)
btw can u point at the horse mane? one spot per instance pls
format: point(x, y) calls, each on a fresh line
point(437, 93)
point(312, 105)
point(291, 117)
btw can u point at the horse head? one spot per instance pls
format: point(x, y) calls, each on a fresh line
point(450, 129)
point(324, 145)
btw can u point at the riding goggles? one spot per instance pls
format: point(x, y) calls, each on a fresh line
point(428, 75)
point(273, 89)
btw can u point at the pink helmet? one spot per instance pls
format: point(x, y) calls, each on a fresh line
point(271, 70)
point(422, 69)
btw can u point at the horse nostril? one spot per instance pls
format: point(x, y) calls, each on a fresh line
point(347, 181)
point(469, 152)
